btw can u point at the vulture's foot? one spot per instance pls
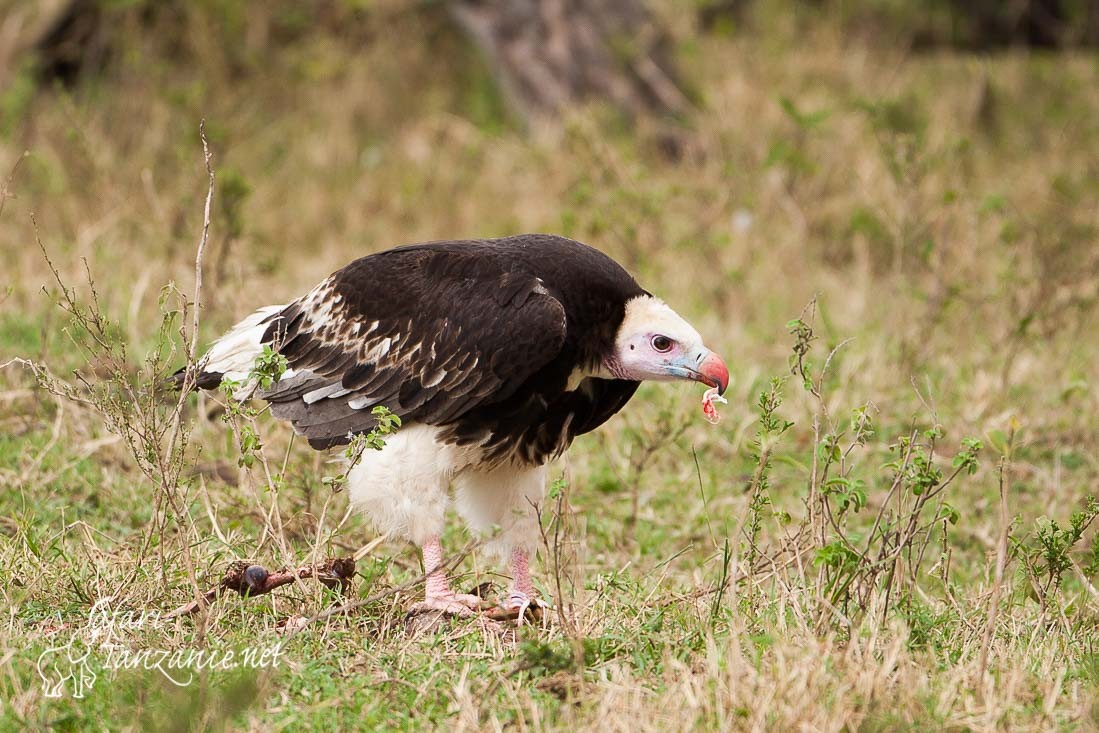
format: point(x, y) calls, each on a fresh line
point(519, 606)
point(450, 604)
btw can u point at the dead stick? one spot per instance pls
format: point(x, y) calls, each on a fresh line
point(1001, 561)
point(254, 580)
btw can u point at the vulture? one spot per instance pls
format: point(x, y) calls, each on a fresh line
point(495, 354)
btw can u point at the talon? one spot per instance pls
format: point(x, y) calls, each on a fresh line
point(452, 604)
point(518, 605)
point(471, 601)
point(438, 596)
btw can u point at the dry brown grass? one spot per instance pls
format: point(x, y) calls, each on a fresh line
point(943, 214)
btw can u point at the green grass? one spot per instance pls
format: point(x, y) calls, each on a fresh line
point(940, 208)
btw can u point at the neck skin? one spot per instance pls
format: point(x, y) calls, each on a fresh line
point(611, 369)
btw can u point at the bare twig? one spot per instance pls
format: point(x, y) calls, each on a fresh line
point(177, 432)
point(254, 580)
point(553, 547)
point(5, 190)
point(190, 374)
point(998, 582)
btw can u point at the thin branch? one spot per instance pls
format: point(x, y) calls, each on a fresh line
point(997, 587)
point(5, 190)
point(254, 580)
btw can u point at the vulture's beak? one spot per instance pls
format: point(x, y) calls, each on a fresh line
point(704, 366)
point(712, 371)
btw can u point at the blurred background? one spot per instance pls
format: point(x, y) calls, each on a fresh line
point(927, 171)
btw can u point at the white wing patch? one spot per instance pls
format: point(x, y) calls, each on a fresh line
point(434, 377)
point(381, 349)
point(322, 302)
point(234, 354)
point(360, 402)
point(332, 391)
point(356, 327)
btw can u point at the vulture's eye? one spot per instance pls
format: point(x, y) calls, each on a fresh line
point(662, 343)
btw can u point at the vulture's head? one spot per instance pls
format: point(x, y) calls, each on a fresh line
point(654, 342)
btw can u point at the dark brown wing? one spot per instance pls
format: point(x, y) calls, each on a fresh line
point(430, 332)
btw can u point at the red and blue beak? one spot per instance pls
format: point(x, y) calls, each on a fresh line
point(713, 372)
point(704, 366)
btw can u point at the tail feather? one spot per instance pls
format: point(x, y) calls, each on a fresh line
point(233, 355)
point(205, 379)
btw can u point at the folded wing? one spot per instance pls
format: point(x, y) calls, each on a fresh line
point(429, 333)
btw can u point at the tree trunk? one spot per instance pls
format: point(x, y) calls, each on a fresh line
point(58, 36)
point(548, 54)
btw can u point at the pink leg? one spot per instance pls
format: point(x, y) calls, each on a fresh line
point(521, 596)
point(437, 582)
point(438, 596)
point(521, 583)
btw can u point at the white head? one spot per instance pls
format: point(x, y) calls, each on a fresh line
point(654, 342)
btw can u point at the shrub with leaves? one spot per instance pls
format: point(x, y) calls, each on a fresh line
point(1046, 551)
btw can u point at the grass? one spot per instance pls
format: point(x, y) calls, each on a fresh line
point(940, 209)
